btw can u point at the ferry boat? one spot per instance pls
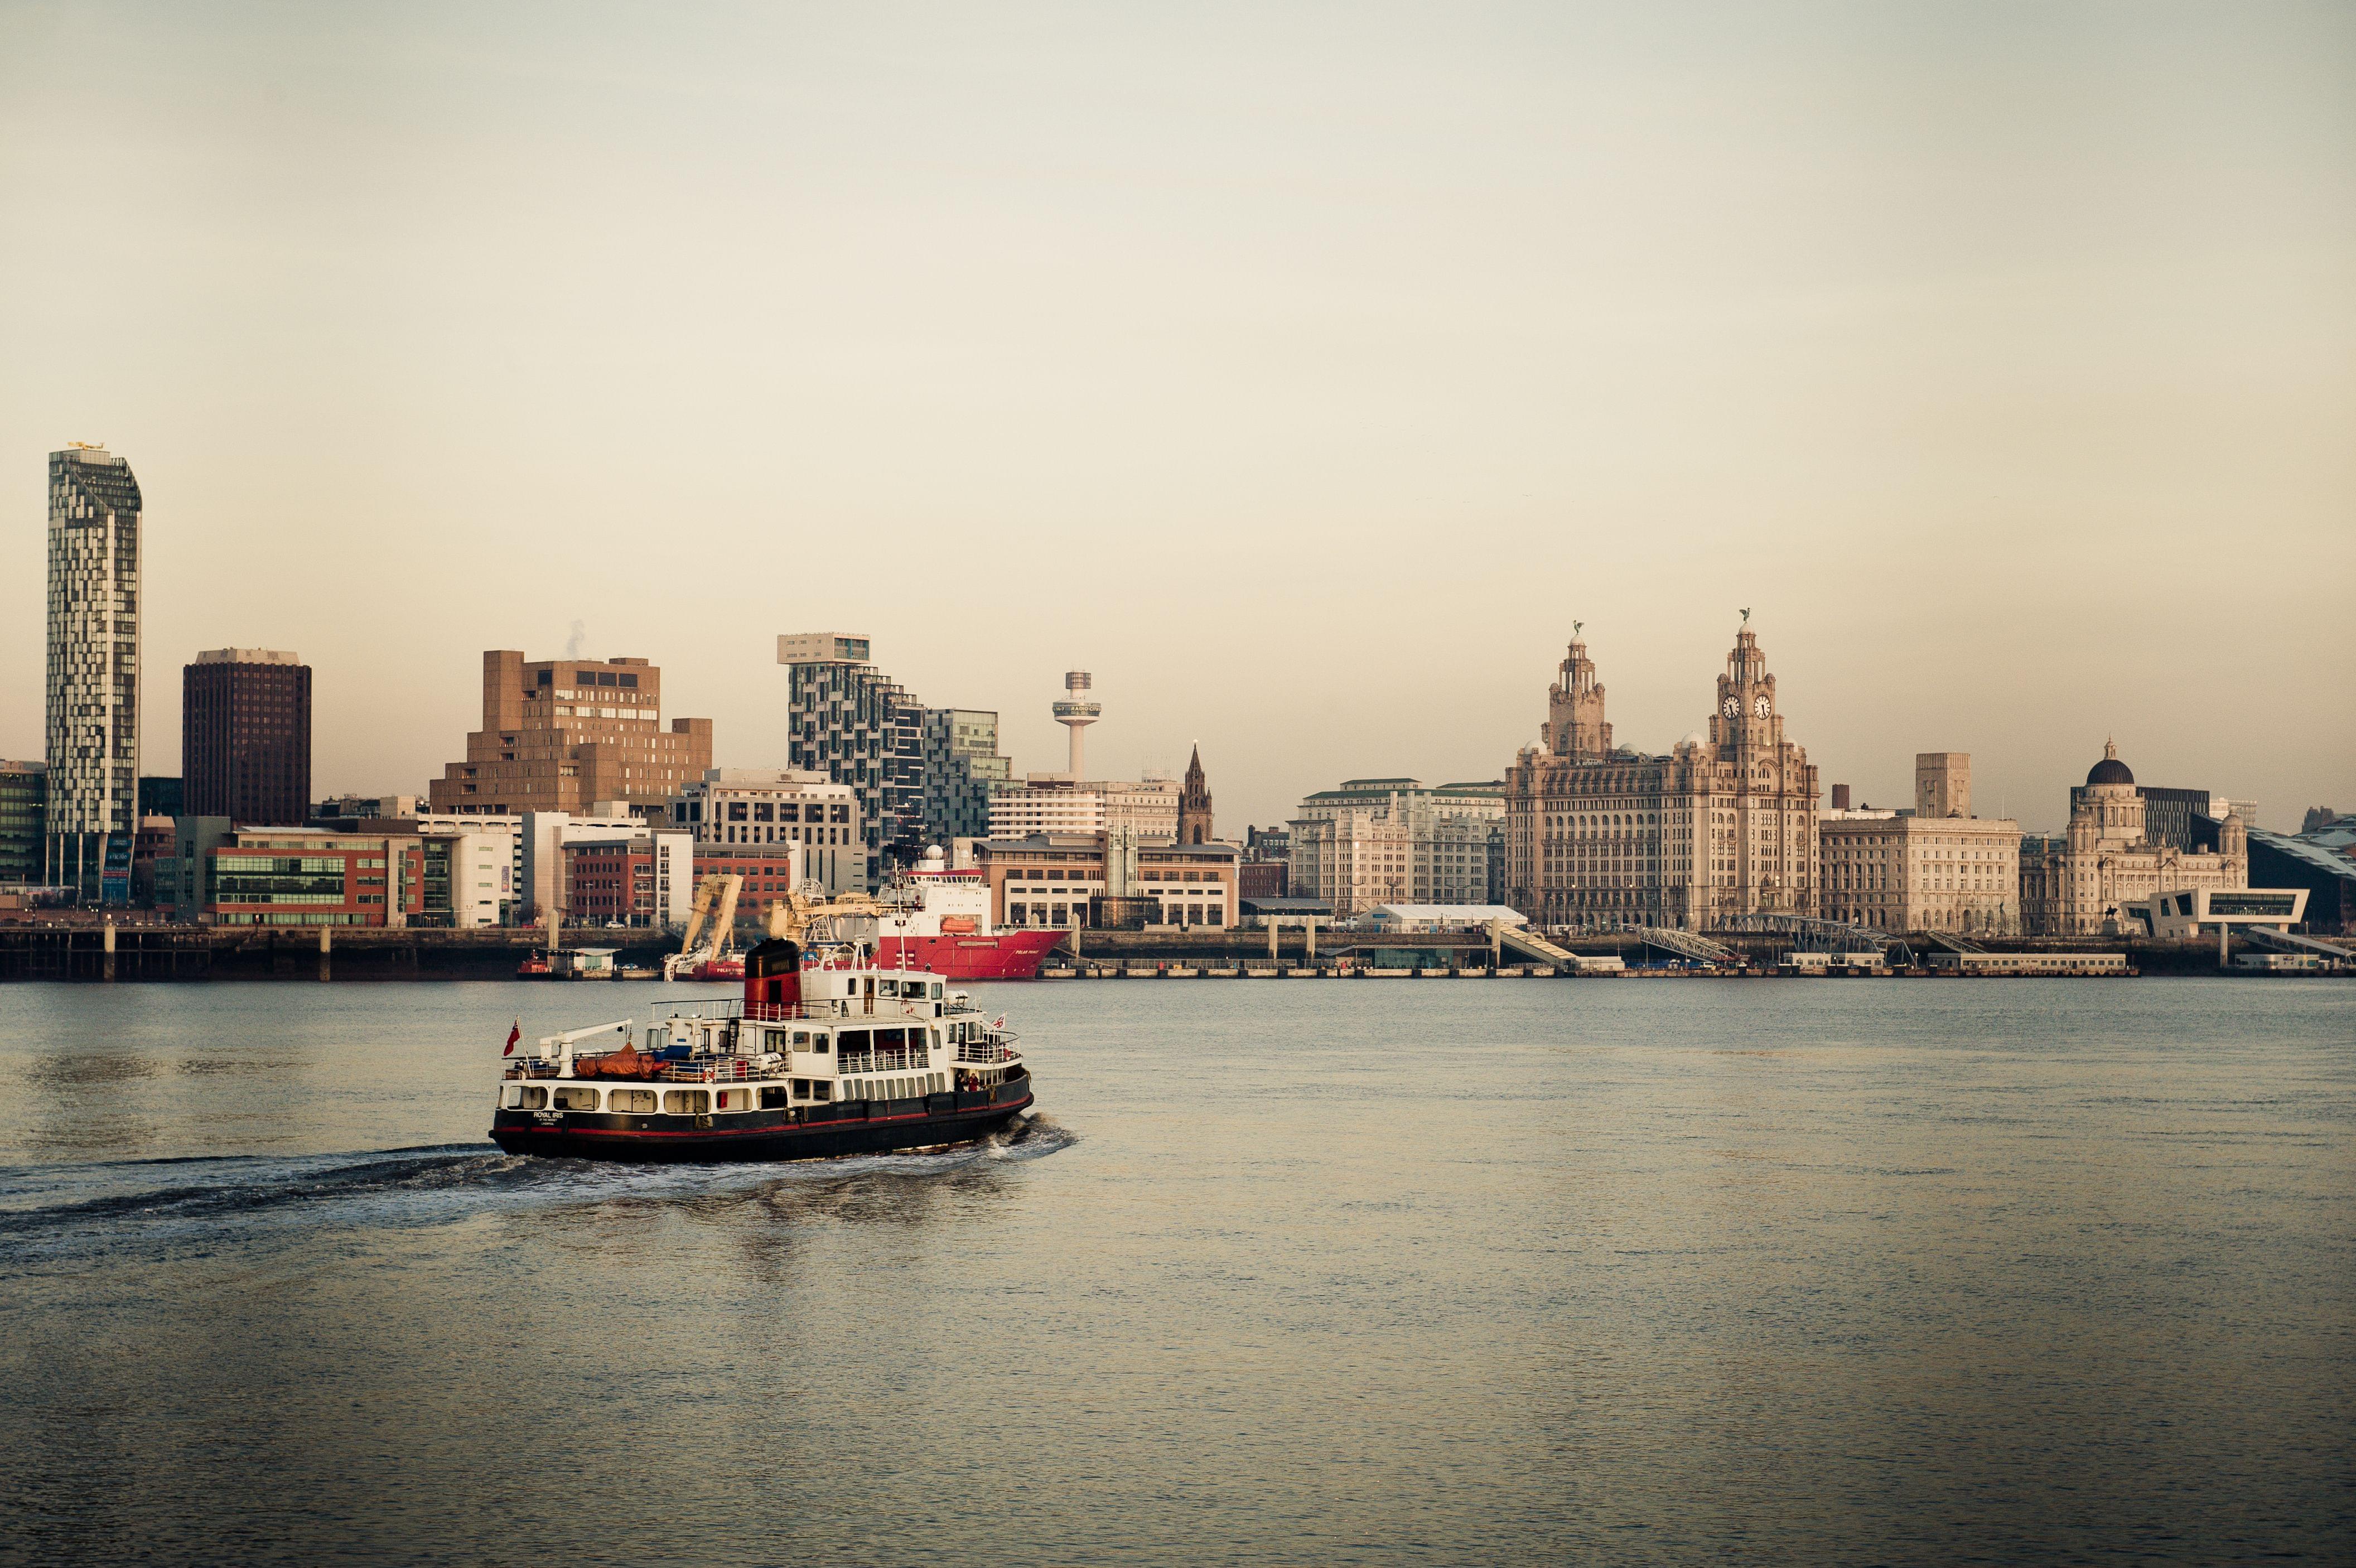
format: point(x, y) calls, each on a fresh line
point(845, 1055)
point(937, 918)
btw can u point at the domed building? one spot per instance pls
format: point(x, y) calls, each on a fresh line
point(2081, 885)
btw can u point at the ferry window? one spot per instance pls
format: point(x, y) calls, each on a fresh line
point(532, 1097)
point(801, 1038)
point(891, 988)
point(577, 1097)
point(937, 988)
point(773, 1096)
point(631, 1102)
point(801, 1090)
point(735, 1099)
point(687, 1102)
point(821, 1091)
point(818, 1044)
point(855, 1040)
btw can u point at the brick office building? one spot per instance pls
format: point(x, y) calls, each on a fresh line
point(610, 882)
point(566, 734)
point(245, 736)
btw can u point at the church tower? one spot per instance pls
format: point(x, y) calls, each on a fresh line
point(1194, 804)
point(1574, 726)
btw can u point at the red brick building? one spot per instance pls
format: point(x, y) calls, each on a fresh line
point(609, 882)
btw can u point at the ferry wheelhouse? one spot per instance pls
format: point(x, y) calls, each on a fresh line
point(840, 1055)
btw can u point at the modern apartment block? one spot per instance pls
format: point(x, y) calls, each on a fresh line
point(855, 724)
point(1397, 841)
point(561, 735)
point(963, 770)
point(23, 799)
point(245, 736)
point(1051, 803)
point(93, 718)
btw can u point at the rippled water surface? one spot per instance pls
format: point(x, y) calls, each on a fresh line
point(1433, 1271)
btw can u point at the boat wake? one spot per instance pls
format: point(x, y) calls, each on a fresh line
point(54, 1214)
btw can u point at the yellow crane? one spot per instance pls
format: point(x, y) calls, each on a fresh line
point(710, 924)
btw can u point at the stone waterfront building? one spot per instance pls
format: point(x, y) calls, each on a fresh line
point(1397, 841)
point(2107, 858)
point(1723, 825)
point(1937, 868)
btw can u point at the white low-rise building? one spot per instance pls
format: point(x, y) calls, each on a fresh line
point(1442, 917)
point(1048, 803)
point(732, 807)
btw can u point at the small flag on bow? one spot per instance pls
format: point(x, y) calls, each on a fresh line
point(515, 1033)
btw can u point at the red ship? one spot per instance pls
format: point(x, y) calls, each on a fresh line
point(932, 918)
point(939, 919)
point(1007, 955)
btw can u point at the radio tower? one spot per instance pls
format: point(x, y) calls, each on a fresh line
point(1076, 716)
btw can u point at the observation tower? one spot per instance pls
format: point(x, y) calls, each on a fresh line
point(1076, 716)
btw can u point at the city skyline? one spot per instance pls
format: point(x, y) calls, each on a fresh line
point(1306, 405)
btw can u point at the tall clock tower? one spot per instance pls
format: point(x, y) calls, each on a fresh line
point(1756, 819)
point(1747, 716)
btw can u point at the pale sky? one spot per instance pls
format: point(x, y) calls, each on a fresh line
point(1303, 371)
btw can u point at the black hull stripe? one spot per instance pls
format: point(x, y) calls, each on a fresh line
point(819, 1139)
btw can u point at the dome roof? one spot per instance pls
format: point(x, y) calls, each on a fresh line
point(2110, 770)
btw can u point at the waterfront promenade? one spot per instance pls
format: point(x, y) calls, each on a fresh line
point(84, 951)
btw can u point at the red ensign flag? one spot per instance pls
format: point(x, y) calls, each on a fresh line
point(515, 1033)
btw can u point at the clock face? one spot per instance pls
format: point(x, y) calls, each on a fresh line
point(1734, 707)
point(1760, 707)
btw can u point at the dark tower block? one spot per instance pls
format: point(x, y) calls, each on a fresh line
point(1195, 805)
point(245, 736)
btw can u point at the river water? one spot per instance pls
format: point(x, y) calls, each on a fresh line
point(1283, 1271)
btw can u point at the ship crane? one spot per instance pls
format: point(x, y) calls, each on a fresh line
point(711, 925)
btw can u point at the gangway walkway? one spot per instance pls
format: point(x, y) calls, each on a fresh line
point(1820, 935)
point(1685, 944)
point(2292, 941)
point(1529, 944)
